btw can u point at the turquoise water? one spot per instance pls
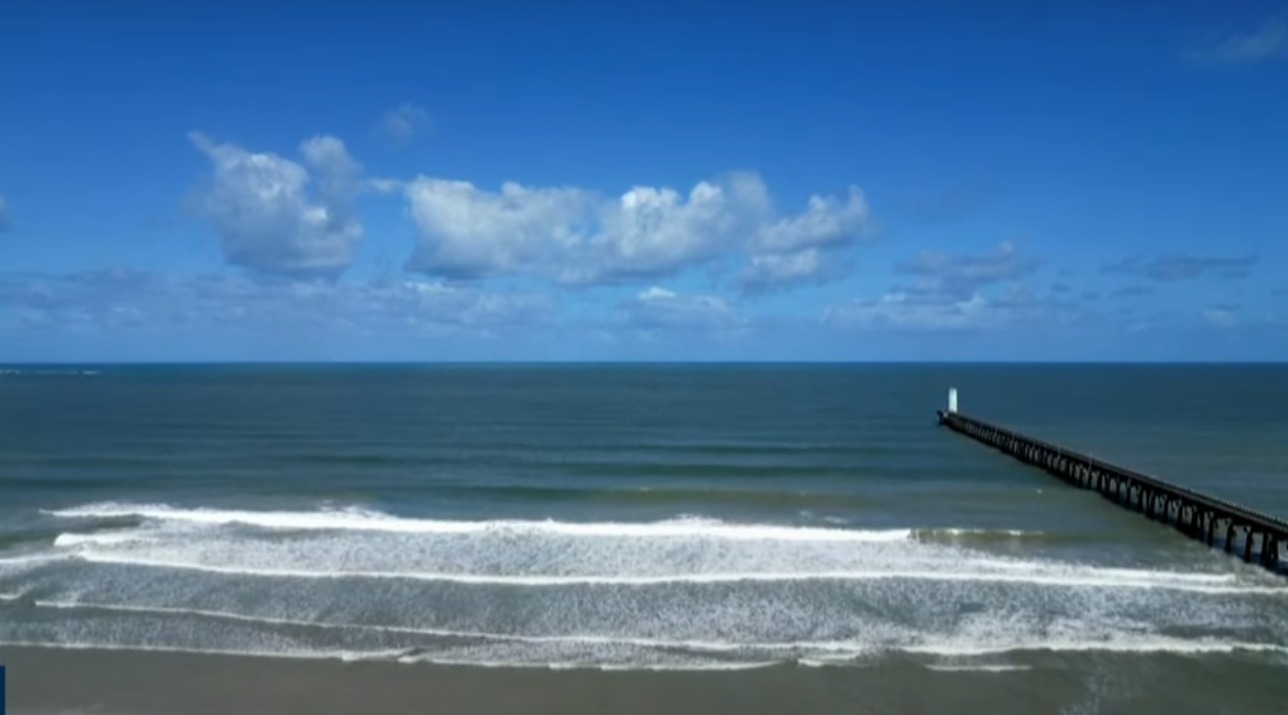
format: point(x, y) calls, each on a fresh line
point(677, 517)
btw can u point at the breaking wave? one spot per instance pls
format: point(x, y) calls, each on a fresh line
point(684, 593)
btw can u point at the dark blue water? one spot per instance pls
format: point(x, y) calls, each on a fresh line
point(634, 517)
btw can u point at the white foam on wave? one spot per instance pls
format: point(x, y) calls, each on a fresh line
point(976, 532)
point(979, 668)
point(392, 656)
point(528, 580)
point(28, 560)
point(1135, 644)
point(354, 519)
point(356, 544)
point(701, 666)
point(806, 652)
point(851, 595)
point(982, 571)
point(73, 540)
point(588, 639)
point(114, 647)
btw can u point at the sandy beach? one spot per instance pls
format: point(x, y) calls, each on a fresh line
point(46, 681)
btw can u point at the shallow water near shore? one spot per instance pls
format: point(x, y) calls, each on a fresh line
point(625, 528)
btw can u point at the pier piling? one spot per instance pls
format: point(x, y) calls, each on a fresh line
point(1190, 512)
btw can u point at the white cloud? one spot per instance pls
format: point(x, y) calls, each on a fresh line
point(793, 250)
point(266, 220)
point(938, 311)
point(467, 232)
point(655, 232)
point(902, 311)
point(826, 221)
point(957, 278)
point(339, 172)
point(1267, 42)
point(571, 235)
point(402, 123)
point(123, 298)
point(770, 271)
point(660, 309)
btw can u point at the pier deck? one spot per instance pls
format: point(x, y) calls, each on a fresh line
point(1254, 535)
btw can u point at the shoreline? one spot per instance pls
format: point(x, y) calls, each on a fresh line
point(47, 680)
point(52, 680)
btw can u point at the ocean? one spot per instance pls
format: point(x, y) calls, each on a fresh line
point(639, 532)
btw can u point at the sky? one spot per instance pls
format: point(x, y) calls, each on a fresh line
point(501, 180)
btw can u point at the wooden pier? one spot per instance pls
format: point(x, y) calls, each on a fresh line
point(1257, 537)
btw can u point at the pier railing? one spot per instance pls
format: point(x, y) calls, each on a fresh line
point(1257, 535)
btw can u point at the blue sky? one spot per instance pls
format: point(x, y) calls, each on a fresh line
point(596, 181)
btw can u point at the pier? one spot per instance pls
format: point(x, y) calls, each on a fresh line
point(1255, 536)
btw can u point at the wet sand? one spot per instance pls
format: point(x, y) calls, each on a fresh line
point(44, 681)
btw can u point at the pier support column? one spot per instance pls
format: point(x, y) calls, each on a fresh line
point(1194, 514)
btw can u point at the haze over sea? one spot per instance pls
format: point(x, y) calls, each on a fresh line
point(809, 522)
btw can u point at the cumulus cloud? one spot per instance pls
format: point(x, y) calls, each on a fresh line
point(122, 298)
point(913, 312)
point(904, 311)
point(963, 292)
point(4, 215)
point(1173, 267)
point(795, 250)
point(1269, 41)
point(954, 279)
point(660, 309)
point(770, 271)
point(466, 232)
point(337, 171)
point(402, 123)
point(268, 218)
point(826, 221)
point(655, 232)
point(576, 236)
